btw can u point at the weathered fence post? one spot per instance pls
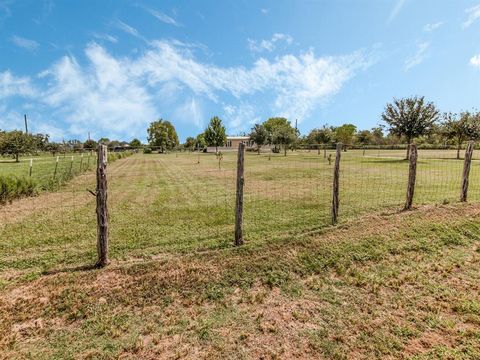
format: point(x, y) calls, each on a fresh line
point(102, 210)
point(56, 168)
point(466, 170)
point(336, 184)
point(412, 174)
point(81, 162)
point(239, 198)
point(31, 166)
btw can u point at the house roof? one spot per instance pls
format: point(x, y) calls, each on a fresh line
point(238, 137)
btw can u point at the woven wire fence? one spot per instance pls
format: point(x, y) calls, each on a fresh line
point(185, 201)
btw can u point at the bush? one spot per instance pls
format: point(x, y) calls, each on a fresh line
point(147, 150)
point(12, 187)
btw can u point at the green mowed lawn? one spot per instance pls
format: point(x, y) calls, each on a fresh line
point(43, 166)
point(380, 284)
point(164, 204)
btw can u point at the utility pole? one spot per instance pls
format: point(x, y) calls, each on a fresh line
point(26, 124)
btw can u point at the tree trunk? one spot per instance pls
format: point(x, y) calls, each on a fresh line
point(16, 158)
point(458, 151)
point(216, 149)
point(324, 152)
point(258, 150)
point(318, 148)
point(409, 142)
point(285, 149)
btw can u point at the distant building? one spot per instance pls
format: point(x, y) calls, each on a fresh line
point(233, 142)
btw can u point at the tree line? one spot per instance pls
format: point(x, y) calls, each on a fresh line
point(404, 121)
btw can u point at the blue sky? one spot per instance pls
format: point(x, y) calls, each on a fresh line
point(111, 67)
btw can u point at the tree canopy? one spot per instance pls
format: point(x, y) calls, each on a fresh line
point(345, 134)
point(16, 143)
point(259, 135)
point(215, 134)
point(460, 128)
point(410, 117)
point(162, 135)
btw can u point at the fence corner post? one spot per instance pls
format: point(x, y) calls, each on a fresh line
point(466, 170)
point(412, 174)
point(336, 184)
point(239, 196)
point(102, 210)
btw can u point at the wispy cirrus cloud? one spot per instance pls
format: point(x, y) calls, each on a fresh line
point(395, 10)
point(419, 56)
point(269, 45)
point(163, 17)
point(473, 14)
point(105, 37)
point(432, 27)
point(126, 28)
point(24, 43)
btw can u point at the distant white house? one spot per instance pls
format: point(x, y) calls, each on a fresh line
point(233, 142)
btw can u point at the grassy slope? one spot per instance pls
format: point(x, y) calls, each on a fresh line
point(397, 284)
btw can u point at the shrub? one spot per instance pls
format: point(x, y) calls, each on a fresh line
point(12, 187)
point(147, 150)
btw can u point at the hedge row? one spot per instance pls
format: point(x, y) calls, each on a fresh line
point(15, 187)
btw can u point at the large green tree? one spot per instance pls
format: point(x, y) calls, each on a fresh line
point(410, 117)
point(162, 135)
point(345, 134)
point(189, 143)
point(259, 136)
point(215, 133)
point(284, 135)
point(321, 136)
point(275, 126)
point(90, 145)
point(16, 143)
point(460, 128)
point(135, 143)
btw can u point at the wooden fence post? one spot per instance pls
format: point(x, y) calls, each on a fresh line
point(412, 174)
point(466, 170)
point(336, 184)
point(102, 210)
point(239, 198)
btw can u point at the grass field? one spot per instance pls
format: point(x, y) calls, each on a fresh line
point(43, 166)
point(381, 284)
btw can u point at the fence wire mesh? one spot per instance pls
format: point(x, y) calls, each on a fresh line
point(185, 201)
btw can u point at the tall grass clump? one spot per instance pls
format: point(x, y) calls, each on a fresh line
point(14, 187)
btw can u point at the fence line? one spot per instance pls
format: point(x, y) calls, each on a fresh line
point(197, 201)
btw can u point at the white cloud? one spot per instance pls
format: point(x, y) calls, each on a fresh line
point(264, 11)
point(419, 56)
point(432, 27)
point(240, 117)
point(190, 112)
point(163, 17)
point(475, 61)
point(297, 83)
point(119, 96)
point(102, 96)
point(396, 9)
point(269, 45)
point(25, 43)
point(127, 28)
point(473, 14)
point(106, 37)
point(11, 85)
